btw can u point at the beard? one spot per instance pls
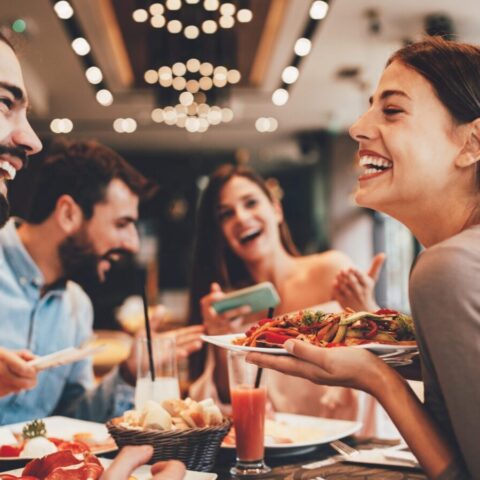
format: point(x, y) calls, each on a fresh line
point(80, 262)
point(4, 210)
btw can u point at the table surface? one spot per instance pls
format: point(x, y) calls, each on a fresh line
point(289, 467)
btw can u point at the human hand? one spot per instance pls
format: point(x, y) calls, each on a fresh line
point(187, 339)
point(15, 373)
point(336, 366)
point(132, 457)
point(220, 323)
point(355, 289)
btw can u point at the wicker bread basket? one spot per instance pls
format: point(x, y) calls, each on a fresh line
point(197, 448)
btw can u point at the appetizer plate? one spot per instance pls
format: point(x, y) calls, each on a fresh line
point(305, 432)
point(65, 428)
point(225, 341)
point(143, 472)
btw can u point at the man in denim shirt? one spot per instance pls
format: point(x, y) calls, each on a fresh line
point(83, 218)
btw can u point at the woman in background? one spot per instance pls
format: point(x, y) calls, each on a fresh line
point(242, 239)
point(421, 136)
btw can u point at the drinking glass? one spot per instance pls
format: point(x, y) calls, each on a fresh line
point(248, 406)
point(165, 385)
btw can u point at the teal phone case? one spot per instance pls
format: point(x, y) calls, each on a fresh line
point(258, 297)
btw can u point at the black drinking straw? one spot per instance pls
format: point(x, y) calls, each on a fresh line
point(149, 332)
point(258, 378)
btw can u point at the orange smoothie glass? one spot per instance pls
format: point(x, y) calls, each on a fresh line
point(248, 406)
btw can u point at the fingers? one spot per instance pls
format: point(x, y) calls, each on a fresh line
point(235, 312)
point(16, 365)
point(376, 266)
point(308, 352)
point(127, 461)
point(171, 470)
point(215, 287)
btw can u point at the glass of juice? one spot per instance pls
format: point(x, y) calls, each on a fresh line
point(248, 406)
point(165, 385)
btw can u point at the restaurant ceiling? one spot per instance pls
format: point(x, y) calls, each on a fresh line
point(349, 48)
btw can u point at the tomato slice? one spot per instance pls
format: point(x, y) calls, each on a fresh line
point(74, 447)
point(10, 451)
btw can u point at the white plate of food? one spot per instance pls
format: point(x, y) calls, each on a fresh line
point(141, 473)
point(289, 432)
point(62, 430)
point(226, 341)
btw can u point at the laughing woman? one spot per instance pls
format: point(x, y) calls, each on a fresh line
point(242, 239)
point(424, 126)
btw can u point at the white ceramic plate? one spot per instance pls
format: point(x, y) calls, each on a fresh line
point(225, 341)
point(324, 430)
point(143, 472)
point(65, 428)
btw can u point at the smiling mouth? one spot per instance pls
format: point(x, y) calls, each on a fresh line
point(7, 170)
point(249, 236)
point(374, 165)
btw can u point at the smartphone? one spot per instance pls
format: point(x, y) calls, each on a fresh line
point(259, 297)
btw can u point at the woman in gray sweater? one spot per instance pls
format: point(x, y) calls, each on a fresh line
point(419, 145)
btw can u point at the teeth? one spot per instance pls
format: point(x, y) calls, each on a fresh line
point(249, 233)
point(9, 169)
point(375, 161)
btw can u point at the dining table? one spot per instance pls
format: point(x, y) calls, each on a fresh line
point(323, 462)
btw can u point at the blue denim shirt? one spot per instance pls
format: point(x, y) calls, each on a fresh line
point(60, 318)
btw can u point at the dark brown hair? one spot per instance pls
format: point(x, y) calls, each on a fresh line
point(453, 70)
point(6, 40)
point(82, 170)
point(213, 259)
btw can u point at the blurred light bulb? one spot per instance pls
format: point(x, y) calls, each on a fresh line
point(156, 9)
point(226, 22)
point(206, 69)
point(233, 76)
point(174, 26)
point(63, 9)
point(139, 15)
point(179, 69)
point(118, 125)
point(318, 10)
point(227, 9)
point(94, 75)
point(244, 15)
point(290, 74)
point(129, 125)
point(227, 115)
point(191, 32)
point(209, 26)
point(280, 97)
point(104, 97)
point(173, 4)
point(81, 46)
point(164, 73)
point(151, 76)
point(272, 124)
point(192, 2)
point(262, 124)
point(193, 65)
point(158, 21)
point(302, 47)
point(205, 83)
point(211, 5)
point(192, 86)
point(157, 115)
point(179, 83)
point(186, 98)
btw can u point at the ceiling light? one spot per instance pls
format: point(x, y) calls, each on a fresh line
point(139, 15)
point(151, 76)
point(272, 124)
point(226, 22)
point(209, 26)
point(174, 4)
point(192, 2)
point(129, 125)
point(80, 46)
point(164, 73)
point(202, 125)
point(214, 115)
point(193, 65)
point(179, 69)
point(290, 74)
point(205, 83)
point(179, 83)
point(262, 124)
point(156, 9)
point(192, 86)
point(220, 72)
point(174, 26)
point(192, 124)
point(165, 82)
point(169, 115)
point(61, 125)
point(244, 15)
point(104, 97)
point(227, 9)
point(227, 115)
point(233, 76)
point(302, 47)
point(157, 115)
point(191, 32)
point(318, 10)
point(94, 75)
point(186, 98)
point(118, 125)
point(158, 21)
point(280, 97)
point(63, 10)
point(206, 68)
point(211, 5)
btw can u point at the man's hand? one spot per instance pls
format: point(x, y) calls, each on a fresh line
point(15, 373)
point(131, 458)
